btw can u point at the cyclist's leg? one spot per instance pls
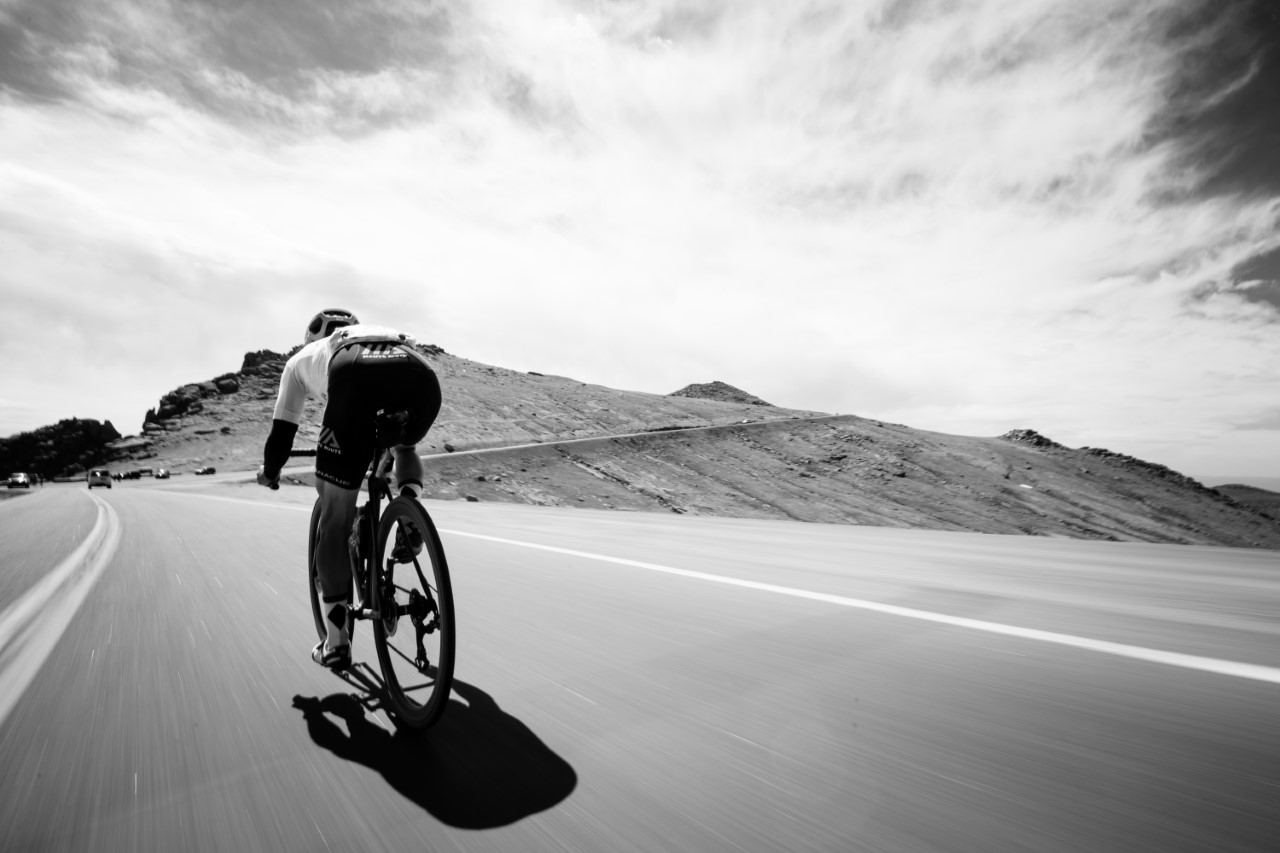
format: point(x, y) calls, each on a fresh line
point(346, 443)
point(337, 513)
point(409, 474)
point(408, 468)
point(333, 573)
point(417, 390)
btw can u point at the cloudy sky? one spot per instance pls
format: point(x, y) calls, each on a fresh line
point(966, 216)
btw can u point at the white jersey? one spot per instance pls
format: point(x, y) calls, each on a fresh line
point(306, 373)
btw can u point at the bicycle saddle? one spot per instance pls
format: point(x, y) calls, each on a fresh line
point(390, 426)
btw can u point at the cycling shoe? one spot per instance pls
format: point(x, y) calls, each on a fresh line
point(335, 659)
point(408, 543)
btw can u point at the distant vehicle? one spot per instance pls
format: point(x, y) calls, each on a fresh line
point(162, 473)
point(19, 480)
point(131, 475)
point(207, 470)
point(116, 475)
point(146, 472)
point(99, 477)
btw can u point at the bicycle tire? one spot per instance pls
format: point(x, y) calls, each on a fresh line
point(313, 591)
point(418, 680)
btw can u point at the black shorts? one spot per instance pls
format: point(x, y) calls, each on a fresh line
point(363, 379)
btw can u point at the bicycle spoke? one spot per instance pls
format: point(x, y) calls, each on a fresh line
point(427, 686)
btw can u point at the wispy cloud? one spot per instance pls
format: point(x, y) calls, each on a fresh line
point(964, 216)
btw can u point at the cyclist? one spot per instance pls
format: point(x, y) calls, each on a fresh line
point(358, 369)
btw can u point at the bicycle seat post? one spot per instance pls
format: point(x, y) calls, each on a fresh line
point(388, 430)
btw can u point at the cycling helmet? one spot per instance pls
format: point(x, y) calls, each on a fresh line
point(323, 324)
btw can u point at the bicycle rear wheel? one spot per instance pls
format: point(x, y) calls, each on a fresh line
point(415, 634)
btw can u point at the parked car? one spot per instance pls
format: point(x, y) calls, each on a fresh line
point(162, 473)
point(209, 469)
point(19, 480)
point(99, 477)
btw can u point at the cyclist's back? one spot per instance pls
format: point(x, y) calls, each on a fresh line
point(306, 373)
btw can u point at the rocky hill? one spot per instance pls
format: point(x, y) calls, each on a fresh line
point(67, 447)
point(712, 449)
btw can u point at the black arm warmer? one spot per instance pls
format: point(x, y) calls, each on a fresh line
point(279, 443)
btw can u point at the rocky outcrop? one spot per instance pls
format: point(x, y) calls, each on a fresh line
point(719, 391)
point(188, 399)
point(264, 361)
point(1260, 500)
point(1156, 470)
point(181, 401)
point(1032, 438)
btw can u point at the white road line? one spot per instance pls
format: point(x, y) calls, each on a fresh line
point(32, 625)
point(1253, 672)
point(1250, 671)
point(249, 501)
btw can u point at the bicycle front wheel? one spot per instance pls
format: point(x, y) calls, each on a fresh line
point(414, 633)
point(313, 588)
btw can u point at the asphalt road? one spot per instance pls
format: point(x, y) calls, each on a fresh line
point(633, 682)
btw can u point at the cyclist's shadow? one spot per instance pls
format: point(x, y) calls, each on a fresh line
point(477, 767)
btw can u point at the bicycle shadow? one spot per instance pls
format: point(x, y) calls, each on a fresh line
point(477, 768)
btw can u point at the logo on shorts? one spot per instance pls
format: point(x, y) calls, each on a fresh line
point(329, 441)
point(380, 350)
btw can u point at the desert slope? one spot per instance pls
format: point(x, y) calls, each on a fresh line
point(551, 440)
point(844, 469)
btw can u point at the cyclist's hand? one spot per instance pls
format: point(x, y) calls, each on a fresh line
point(264, 480)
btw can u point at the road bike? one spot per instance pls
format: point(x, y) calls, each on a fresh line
point(417, 664)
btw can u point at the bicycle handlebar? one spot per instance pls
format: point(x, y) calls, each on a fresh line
point(306, 451)
point(311, 451)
